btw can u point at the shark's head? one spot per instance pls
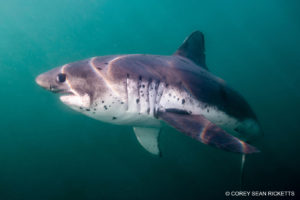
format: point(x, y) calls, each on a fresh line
point(77, 83)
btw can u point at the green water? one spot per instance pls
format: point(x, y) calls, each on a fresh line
point(49, 152)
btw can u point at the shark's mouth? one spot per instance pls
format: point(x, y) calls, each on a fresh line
point(67, 96)
point(71, 98)
point(56, 90)
point(63, 92)
point(75, 100)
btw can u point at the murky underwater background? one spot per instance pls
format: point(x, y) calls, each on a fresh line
point(48, 151)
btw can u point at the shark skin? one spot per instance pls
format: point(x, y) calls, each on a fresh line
point(148, 91)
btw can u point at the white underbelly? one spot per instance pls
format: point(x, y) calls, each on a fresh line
point(138, 105)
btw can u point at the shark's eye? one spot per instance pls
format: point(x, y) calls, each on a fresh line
point(61, 77)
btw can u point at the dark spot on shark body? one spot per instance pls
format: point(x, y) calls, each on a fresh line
point(102, 101)
point(105, 107)
point(87, 109)
point(113, 118)
point(182, 101)
point(99, 68)
point(137, 100)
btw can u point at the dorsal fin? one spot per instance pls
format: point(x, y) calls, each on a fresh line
point(193, 48)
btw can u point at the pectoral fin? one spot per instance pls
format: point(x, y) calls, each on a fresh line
point(148, 138)
point(201, 129)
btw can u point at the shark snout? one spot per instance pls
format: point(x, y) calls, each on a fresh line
point(53, 81)
point(42, 81)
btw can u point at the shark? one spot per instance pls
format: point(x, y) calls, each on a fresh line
point(149, 92)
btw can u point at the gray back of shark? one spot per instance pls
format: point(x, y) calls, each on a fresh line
point(147, 91)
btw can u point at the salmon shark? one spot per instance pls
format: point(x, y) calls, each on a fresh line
point(149, 91)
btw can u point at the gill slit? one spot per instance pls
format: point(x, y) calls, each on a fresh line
point(106, 81)
point(159, 92)
point(148, 96)
point(111, 62)
point(152, 96)
point(138, 100)
point(127, 94)
point(155, 98)
point(68, 82)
